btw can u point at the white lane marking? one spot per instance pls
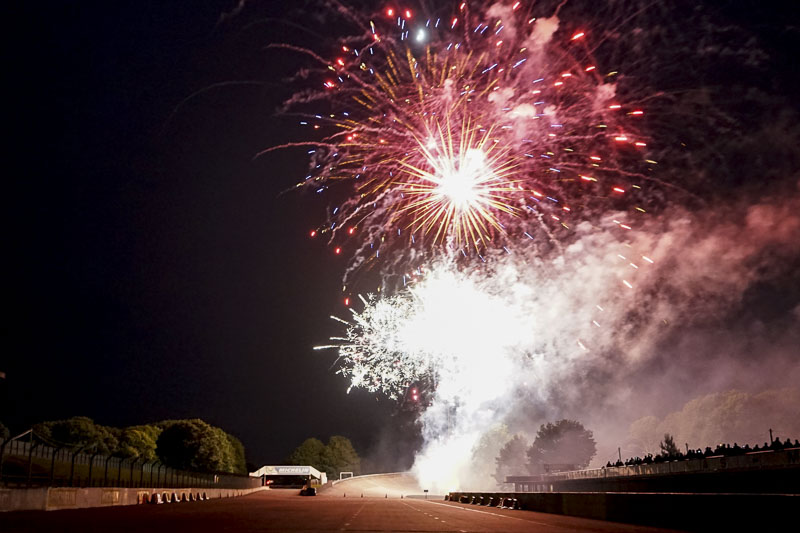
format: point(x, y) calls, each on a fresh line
point(495, 514)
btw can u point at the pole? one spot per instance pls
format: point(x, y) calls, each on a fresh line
point(105, 472)
point(91, 465)
point(770, 436)
point(30, 459)
point(2, 452)
point(619, 452)
point(72, 467)
point(53, 464)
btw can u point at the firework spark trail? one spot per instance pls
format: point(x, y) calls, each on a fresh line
point(486, 159)
point(467, 131)
point(498, 132)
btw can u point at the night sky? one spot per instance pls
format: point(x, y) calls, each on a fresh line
point(155, 269)
point(158, 272)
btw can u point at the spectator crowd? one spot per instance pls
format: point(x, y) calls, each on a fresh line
point(722, 450)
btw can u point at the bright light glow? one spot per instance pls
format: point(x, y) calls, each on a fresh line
point(438, 326)
point(474, 336)
point(462, 187)
point(456, 149)
point(458, 183)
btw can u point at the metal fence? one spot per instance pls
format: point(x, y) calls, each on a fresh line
point(27, 460)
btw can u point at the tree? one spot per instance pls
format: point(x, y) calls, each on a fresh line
point(184, 444)
point(139, 442)
point(308, 453)
point(668, 446)
point(565, 442)
point(340, 456)
point(484, 457)
point(195, 445)
point(239, 460)
point(511, 461)
point(78, 431)
point(4, 433)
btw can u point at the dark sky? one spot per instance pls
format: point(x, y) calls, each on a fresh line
point(157, 271)
point(154, 269)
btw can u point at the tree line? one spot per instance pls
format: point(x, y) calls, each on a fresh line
point(335, 457)
point(190, 444)
point(563, 445)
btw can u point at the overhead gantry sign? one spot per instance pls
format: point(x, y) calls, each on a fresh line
point(290, 475)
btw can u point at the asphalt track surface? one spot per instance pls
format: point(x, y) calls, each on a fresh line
point(286, 510)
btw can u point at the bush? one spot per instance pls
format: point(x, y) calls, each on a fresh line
point(183, 444)
point(335, 457)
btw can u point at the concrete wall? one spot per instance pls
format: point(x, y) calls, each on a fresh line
point(52, 498)
point(693, 512)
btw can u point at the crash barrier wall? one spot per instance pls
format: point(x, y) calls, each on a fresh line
point(355, 478)
point(55, 498)
point(759, 472)
point(692, 512)
point(26, 461)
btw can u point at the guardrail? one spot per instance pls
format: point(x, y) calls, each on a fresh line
point(761, 459)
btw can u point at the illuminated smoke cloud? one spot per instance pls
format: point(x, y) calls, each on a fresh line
point(560, 269)
point(524, 326)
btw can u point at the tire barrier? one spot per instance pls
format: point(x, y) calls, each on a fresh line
point(167, 497)
point(678, 511)
point(498, 501)
point(509, 503)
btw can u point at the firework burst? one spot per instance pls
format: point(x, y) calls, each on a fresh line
point(492, 156)
point(462, 189)
point(471, 130)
